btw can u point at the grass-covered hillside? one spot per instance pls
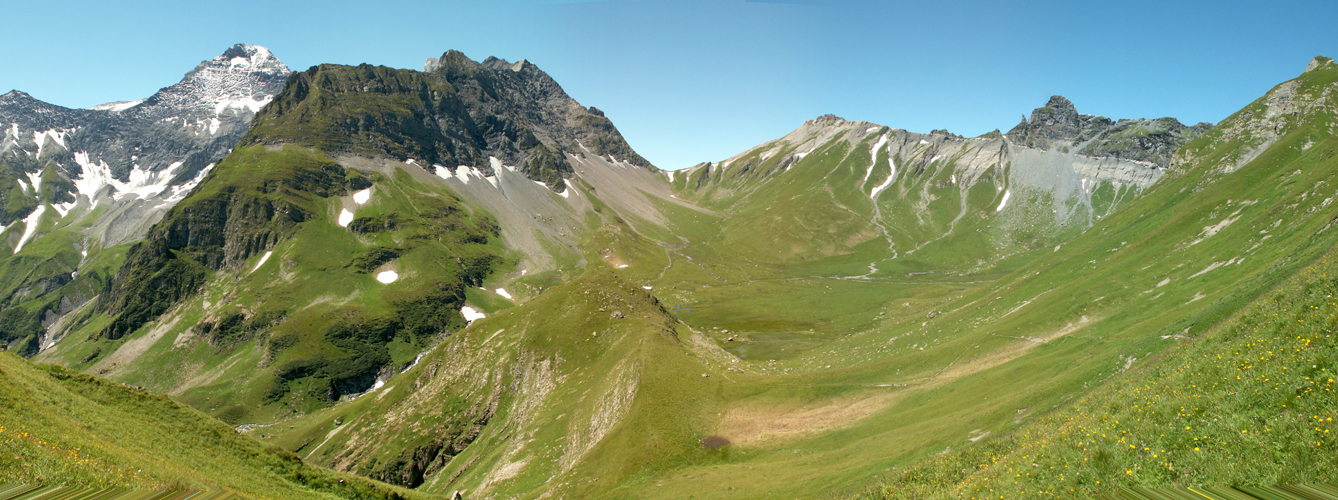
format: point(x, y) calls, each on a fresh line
point(285, 282)
point(59, 426)
point(581, 390)
point(1251, 401)
point(1239, 390)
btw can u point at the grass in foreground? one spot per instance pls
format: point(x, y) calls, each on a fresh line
point(59, 426)
point(1250, 402)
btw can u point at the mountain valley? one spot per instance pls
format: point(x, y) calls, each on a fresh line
point(462, 280)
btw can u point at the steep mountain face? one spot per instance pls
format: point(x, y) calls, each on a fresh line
point(323, 256)
point(77, 184)
point(142, 148)
point(1058, 126)
point(938, 200)
point(457, 113)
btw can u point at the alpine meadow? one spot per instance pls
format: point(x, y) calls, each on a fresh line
point(372, 282)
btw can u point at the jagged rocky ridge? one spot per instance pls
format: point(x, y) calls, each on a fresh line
point(76, 181)
point(1058, 126)
point(140, 147)
point(456, 113)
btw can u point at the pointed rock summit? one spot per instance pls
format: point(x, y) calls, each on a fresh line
point(1058, 126)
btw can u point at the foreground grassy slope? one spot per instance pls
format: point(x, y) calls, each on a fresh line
point(1249, 402)
point(59, 426)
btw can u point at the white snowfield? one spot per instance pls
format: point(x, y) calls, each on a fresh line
point(1004, 203)
point(502, 292)
point(471, 314)
point(119, 105)
point(387, 277)
point(345, 217)
point(30, 226)
point(361, 197)
point(263, 258)
point(873, 155)
point(141, 183)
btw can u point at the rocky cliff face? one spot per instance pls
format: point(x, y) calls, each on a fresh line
point(148, 150)
point(1058, 126)
point(76, 181)
point(457, 113)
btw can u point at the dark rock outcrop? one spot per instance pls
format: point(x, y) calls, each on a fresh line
point(1059, 126)
point(458, 112)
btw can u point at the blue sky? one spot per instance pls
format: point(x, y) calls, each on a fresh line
point(691, 81)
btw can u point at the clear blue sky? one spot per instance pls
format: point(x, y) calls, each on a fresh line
point(691, 81)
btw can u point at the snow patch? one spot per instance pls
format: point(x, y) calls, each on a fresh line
point(620, 266)
point(142, 183)
point(871, 129)
point(646, 287)
point(567, 192)
point(119, 105)
point(471, 314)
point(30, 226)
point(40, 138)
point(879, 188)
point(361, 197)
point(263, 258)
point(213, 125)
point(179, 192)
point(922, 141)
point(345, 217)
point(1210, 267)
point(63, 208)
point(1209, 231)
point(954, 178)
point(36, 179)
point(387, 277)
point(873, 154)
point(1004, 203)
point(502, 292)
point(936, 158)
point(23, 186)
point(246, 102)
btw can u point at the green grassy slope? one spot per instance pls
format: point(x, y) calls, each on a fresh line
point(1249, 402)
point(251, 301)
point(582, 389)
point(59, 426)
point(913, 371)
point(1211, 238)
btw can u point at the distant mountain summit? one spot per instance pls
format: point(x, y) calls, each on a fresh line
point(74, 182)
point(457, 113)
point(142, 148)
point(1058, 126)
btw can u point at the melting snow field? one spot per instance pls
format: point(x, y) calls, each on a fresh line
point(263, 258)
point(873, 152)
point(502, 292)
point(361, 197)
point(387, 277)
point(620, 266)
point(30, 226)
point(470, 314)
point(1004, 203)
point(345, 217)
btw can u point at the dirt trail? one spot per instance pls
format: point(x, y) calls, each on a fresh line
point(756, 424)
